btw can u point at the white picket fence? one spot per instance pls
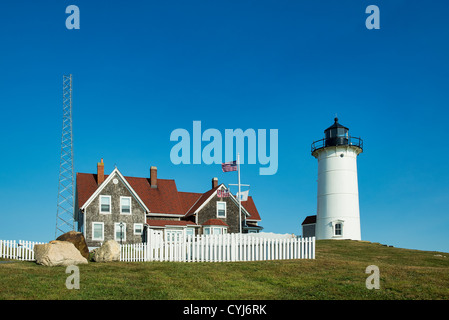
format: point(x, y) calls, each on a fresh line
point(218, 248)
point(21, 250)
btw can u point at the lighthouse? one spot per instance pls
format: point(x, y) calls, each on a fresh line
point(338, 214)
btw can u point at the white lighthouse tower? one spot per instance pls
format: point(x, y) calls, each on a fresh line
point(338, 215)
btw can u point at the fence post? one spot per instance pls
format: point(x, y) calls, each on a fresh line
point(313, 246)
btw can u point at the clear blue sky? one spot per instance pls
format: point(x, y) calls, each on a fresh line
point(144, 68)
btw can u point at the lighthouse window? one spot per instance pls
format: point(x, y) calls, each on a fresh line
point(338, 229)
point(342, 132)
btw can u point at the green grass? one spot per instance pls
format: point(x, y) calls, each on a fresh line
point(338, 272)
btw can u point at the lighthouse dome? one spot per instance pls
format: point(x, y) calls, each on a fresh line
point(336, 135)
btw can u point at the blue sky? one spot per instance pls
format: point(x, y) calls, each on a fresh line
point(144, 69)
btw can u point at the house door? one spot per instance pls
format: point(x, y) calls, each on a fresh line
point(155, 236)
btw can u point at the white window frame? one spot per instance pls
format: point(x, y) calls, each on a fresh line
point(141, 228)
point(334, 228)
point(190, 230)
point(117, 226)
point(171, 234)
point(102, 231)
point(212, 230)
point(130, 206)
point(110, 204)
point(225, 209)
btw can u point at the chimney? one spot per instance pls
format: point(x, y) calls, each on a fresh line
point(153, 177)
point(100, 172)
point(214, 183)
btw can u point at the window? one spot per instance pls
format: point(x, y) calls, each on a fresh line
point(338, 229)
point(221, 209)
point(105, 204)
point(342, 132)
point(138, 228)
point(125, 205)
point(98, 231)
point(190, 232)
point(173, 235)
point(215, 230)
point(120, 231)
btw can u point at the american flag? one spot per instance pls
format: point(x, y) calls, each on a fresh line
point(229, 166)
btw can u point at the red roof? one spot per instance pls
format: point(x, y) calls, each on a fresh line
point(201, 200)
point(215, 222)
point(164, 199)
point(251, 208)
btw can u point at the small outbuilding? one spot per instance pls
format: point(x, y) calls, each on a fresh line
point(308, 226)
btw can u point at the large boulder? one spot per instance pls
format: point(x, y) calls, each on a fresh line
point(109, 251)
point(58, 253)
point(77, 238)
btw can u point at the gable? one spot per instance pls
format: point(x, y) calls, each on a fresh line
point(84, 184)
point(248, 207)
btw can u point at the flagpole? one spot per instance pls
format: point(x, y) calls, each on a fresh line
point(240, 202)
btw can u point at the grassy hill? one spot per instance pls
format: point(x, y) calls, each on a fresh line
point(338, 272)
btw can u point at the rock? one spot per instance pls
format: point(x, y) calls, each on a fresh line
point(109, 251)
point(58, 253)
point(77, 238)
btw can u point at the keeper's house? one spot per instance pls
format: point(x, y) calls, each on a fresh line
point(127, 209)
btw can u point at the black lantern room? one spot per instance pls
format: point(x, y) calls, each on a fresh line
point(337, 135)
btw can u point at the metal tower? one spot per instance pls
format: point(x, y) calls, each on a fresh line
point(66, 196)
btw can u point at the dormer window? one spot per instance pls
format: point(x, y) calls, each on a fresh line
point(221, 209)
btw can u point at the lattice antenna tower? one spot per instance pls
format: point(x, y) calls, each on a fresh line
point(66, 189)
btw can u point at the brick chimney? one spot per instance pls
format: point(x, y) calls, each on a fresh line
point(100, 172)
point(214, 183)
point(153, 177)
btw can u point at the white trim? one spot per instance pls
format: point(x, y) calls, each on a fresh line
point(130, 206)
point(155, 227)
point(105, 182)
point(84, 224)
point(225, 209)
point(117, 224)
point(102, 231)
point(110, 204)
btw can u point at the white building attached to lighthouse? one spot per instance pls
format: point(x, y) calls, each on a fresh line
point(338, 215)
